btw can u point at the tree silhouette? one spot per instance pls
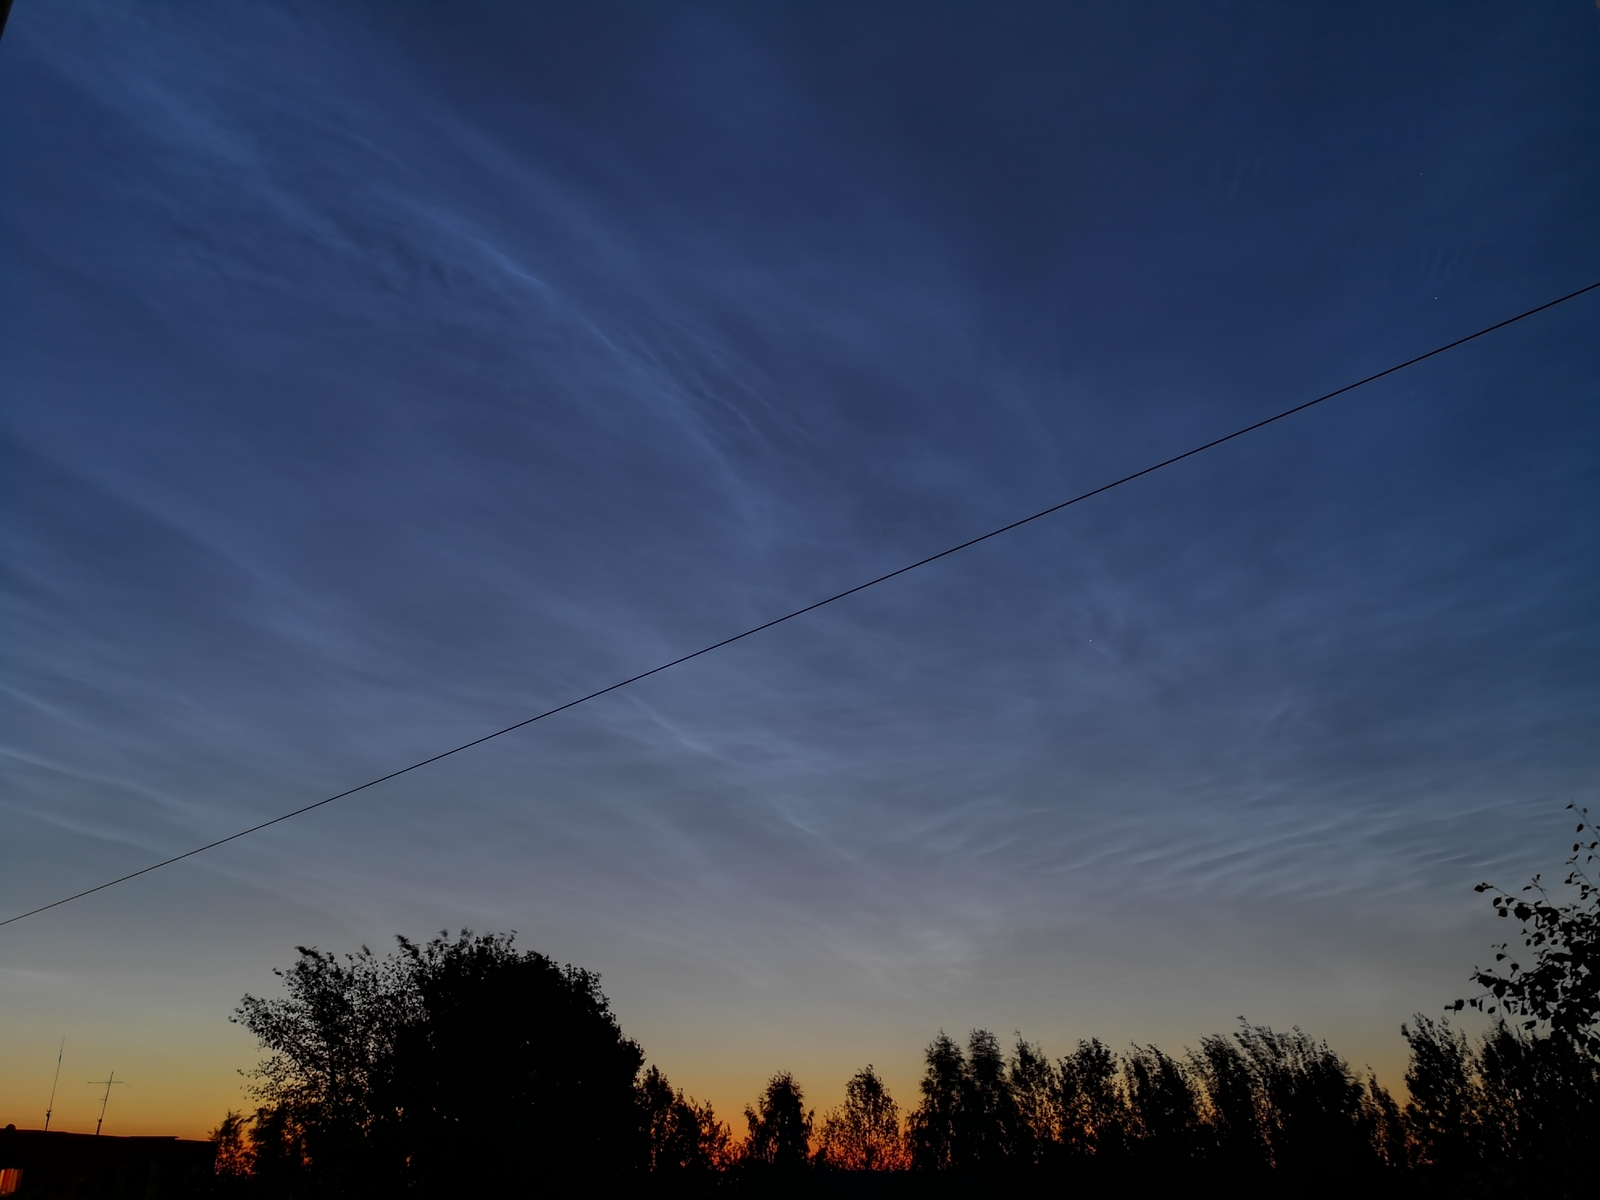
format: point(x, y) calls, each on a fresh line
point(1540, 1107)
point(969, 1117)
point(465, 1067)
point(458, 1065)
point(327, 1083)
point(1516, 1109)
point(233, 1164)
point(1239, 1112)
point(279, 1161)
point(863, 1134)
point(685, 1139)
point(780, 1128)
point(1163, 1106)
point(935, 1123)
point(1444, 1102)
point(1036, 1112)
point(1094, 1121)
point(987, 1117)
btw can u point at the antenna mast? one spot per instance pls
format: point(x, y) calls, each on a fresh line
point(108, 1081)
point(51, 1107)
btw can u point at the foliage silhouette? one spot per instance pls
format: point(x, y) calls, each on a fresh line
point(455, 1065)
point(1518, 1109)
point(1313, 1114)
point(1240, 1107)
point(686, 1141)
point(1035, 1106)
point(233, 1149)
point(466, 1068)
point(1093, 1124)
point(863, 1134)
point(1560, 992)
point(1163, 1109)
point(935, 1125)
point(780, 1129)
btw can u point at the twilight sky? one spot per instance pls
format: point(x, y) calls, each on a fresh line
point(376, 375)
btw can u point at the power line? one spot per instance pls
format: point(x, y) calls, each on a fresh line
point(799, 612)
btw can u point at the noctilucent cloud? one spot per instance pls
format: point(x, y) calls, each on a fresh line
point(375, 376)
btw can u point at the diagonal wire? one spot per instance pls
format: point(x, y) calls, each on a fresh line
point(800, 612)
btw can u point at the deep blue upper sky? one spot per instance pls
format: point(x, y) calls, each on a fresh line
point(376, 375)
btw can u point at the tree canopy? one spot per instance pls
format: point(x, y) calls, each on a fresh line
point(457, 1063)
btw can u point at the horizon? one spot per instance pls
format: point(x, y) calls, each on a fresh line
point(375, 378)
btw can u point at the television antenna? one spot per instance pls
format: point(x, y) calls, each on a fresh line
point(108, 1081)
point(51, 1107)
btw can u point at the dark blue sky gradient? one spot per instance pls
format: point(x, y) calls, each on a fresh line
point(376, 375)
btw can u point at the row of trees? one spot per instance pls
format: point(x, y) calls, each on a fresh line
point(1258, 1106)
point(463, 1067)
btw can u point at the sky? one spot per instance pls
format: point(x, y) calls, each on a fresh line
point(375, 376)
